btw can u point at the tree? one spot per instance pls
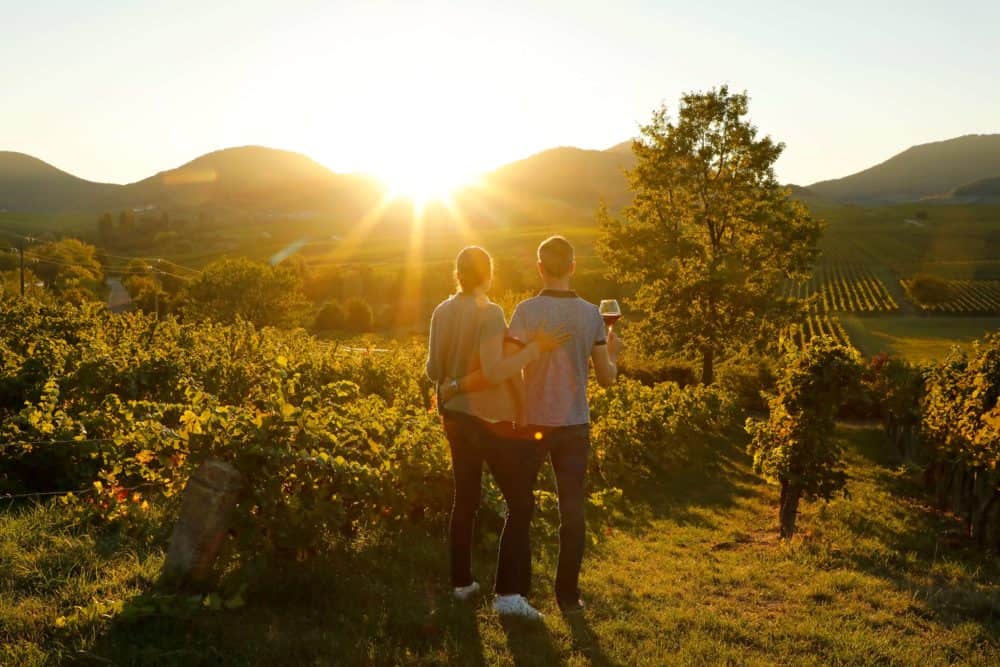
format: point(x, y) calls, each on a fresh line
point(358, 314)
point(795, 446)
point(105, 228)
point(126, 221)
point(710, 235)
point(229, 289)
point(70, 269)
point(330, 318)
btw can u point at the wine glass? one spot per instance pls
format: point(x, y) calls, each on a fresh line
point(610, 311)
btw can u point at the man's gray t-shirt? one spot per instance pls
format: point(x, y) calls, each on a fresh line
point(556, 384)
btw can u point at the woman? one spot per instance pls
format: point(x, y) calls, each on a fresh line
point(468, 334)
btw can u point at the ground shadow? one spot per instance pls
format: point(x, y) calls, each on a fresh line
point(585, 640)
point(913, 539)
point(374, 603)
point(529, 642)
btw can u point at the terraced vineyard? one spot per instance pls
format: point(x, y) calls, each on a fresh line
point(967, 297)
point(844, 287)
point(815, 325)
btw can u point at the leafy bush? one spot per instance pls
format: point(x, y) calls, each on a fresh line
point(651, 372)
point(639, 431)
point(794, 446)
point(749, 379)
point(961, 424)
point(232, 289)
point(896, 389)
point(930, 289)
point(124, 408)
point(358, 316)
point(331, 317)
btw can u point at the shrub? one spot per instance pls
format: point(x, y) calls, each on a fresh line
point(749, 380)
point(232, 289)
point(639, 431)
point(961, 423)
point(794, 446)
point(896, 389)
point(650, 372)
point(331, 317)
point(931, 289)
point(358, 316)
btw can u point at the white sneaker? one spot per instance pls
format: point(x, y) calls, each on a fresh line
point(465, 592)
point(516, 605)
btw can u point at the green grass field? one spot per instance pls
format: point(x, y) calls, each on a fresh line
point(915, 337)
point(693, 575)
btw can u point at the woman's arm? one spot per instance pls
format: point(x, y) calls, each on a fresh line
point(433, 368)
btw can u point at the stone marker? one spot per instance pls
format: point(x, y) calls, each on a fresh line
point(206, 508)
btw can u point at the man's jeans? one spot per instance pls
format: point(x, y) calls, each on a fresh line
point(569, 450)
point(514, 463)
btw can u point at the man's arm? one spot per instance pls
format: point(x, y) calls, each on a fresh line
point(605, 359)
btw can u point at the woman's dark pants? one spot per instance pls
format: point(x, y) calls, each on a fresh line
point(514, 463)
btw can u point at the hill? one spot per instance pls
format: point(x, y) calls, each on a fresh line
point(922, 171)
point(29, 184)
point(250, 177)
point(985, 189)
point(577, 176)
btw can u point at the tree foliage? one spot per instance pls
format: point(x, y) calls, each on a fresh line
point(794, 446)
point(358, 316)
point(711, 234)
point(70, 269)
point(231, 289)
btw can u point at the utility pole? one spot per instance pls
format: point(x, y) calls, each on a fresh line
point(22, 244)
point(156, 291)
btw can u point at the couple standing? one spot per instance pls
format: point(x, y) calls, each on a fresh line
point(509, 398)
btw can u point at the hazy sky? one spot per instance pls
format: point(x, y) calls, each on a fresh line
point(118, 90)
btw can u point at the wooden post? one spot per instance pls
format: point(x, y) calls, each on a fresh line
point(206, 509)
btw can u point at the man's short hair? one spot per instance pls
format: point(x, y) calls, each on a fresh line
point(556, 256)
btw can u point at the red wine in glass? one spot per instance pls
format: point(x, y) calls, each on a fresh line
point(610, 311)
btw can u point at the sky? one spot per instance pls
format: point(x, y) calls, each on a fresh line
point(119, 90)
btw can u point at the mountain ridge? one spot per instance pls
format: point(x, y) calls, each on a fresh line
point(925, 170)
point(261, 178)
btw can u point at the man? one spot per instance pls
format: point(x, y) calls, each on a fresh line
point(558, 414)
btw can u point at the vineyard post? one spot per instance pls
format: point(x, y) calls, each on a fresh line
point(210, 497)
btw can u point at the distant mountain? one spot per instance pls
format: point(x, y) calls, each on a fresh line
point(623, 147)
point(576, 176)
point(985, 189)
point(251, 177)
point(28, 184)
point(922, 171)
point(809, 197)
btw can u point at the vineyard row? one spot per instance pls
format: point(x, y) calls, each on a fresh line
point(843, 287)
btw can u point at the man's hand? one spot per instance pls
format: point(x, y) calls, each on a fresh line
point(615, 346)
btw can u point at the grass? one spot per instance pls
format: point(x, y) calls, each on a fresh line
point(693, 575)
point(915, 337)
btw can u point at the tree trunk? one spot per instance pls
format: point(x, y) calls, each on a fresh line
point(790, 496)
point(708, 366)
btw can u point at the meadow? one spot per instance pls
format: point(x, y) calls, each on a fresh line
point(692, 573)
point(337, 553)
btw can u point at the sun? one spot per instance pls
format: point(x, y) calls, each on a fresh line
point(421, 183)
